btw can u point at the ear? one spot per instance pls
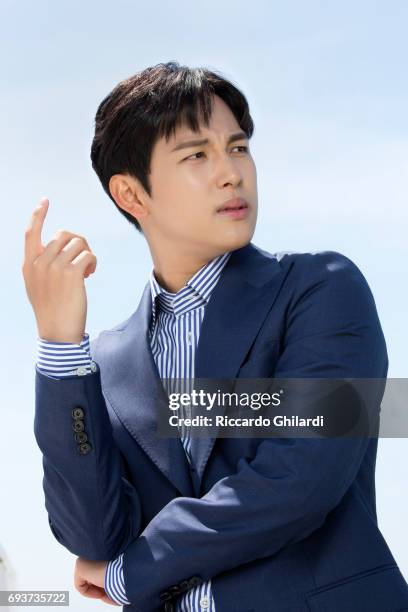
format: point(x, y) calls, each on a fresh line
point(129, 195)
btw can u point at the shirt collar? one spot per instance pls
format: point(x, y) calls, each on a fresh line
point(195, 293)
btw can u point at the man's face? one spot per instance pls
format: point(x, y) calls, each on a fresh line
point(191, 183)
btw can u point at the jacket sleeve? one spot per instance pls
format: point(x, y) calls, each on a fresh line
point(285, 491)
point(93, 510)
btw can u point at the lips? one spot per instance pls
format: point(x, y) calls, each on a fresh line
point(234, 204)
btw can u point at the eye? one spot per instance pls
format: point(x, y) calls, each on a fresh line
point(244, 147)
point(192, 156)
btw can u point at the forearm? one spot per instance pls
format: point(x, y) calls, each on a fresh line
point(93, 510)
point(247, 516)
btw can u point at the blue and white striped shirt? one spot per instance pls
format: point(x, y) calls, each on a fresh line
point(174, 334)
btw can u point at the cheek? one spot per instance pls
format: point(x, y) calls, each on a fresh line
point(251, 175)
point(190, 182)
point(183, 193)
point(181, 210)
point(180, 185)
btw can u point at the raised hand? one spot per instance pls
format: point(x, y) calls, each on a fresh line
point(54, 279)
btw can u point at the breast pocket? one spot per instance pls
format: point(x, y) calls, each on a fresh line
point(382, 589)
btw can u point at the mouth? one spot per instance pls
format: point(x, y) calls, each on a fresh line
point(237, 208)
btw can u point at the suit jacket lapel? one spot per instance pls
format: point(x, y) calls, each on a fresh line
point(237, 308)
point(131, 383)
point(239, 303)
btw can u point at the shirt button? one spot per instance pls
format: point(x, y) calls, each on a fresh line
point(81, 371)
point(204, 603)
point(94, 367)
point(190, 338)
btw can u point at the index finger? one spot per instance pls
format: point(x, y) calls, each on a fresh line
point(33, 244)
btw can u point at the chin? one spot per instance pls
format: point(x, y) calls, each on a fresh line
point(231, 241)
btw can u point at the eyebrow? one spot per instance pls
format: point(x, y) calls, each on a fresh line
point(198, 143)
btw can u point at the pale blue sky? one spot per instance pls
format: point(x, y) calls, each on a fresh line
point(327, 88)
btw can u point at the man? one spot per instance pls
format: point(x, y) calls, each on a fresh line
point(227, 524)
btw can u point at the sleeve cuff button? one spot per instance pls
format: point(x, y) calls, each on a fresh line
point(84, 448)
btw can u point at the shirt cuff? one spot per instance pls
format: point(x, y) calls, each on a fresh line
point(115, 582)
point(61, 359)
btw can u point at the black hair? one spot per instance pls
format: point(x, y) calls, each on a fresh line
point(152, 104)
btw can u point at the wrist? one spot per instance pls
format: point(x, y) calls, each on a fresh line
point(63, 338)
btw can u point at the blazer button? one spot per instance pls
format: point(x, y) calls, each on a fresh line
point(165, 596)
point(84, 448)
point(174, 590)
point(81, 437)
point(184, 586)
point(78, 425)
point(77, 413)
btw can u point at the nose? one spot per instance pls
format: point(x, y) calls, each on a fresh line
point(227, 172)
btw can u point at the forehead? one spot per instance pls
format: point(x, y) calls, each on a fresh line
point(222, 123)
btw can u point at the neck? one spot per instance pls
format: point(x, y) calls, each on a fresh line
point(172, 271)
point(174, 277)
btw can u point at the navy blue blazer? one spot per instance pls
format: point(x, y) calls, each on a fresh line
point(279, 524)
